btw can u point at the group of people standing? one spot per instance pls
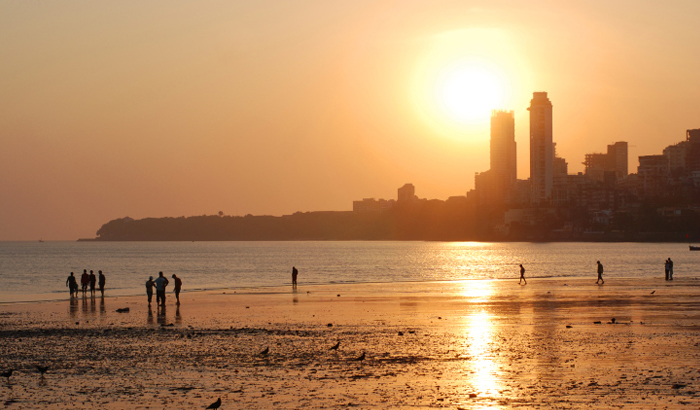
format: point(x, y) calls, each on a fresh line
point(160, 283)
point(86, 280)
point(90, 280)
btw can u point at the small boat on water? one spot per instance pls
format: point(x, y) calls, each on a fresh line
point(694, 248)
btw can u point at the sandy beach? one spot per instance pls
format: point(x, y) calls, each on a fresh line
point(554, 343)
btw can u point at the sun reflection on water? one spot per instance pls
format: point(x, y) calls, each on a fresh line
point(477, 290)
point(484, 369)
point(479, 343)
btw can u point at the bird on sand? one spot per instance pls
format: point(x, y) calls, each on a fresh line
point(42, 369)
point(265, 352)
point(7, 373)
point(215, 405)
point(361, 358)
point(335, 346)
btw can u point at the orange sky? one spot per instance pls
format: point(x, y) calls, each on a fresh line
point(172, 108)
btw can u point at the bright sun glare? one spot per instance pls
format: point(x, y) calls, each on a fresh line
point(463, 76)
point(468, 92)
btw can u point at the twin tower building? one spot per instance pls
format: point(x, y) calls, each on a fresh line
point(500, 185)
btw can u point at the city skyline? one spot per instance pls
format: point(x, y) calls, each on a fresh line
point(150, 110)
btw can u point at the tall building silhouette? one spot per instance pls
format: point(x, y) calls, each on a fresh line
point(503, 148)
point(407, 193)
point(496, 187)
point(541, 148)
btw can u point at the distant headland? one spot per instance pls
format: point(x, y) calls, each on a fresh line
point(408, 218)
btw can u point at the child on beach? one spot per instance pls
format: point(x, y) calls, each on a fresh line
point(522, 275)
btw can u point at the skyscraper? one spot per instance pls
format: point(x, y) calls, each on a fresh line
point(496, 187)
point(541, 148)
point(503, 147)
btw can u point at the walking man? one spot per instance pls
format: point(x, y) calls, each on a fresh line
point(522, 275)
point(670, 269)
point(295, 272)
point(161, 282)
point(101, 280)
point(600, 273)
point(178, 287)
point(666, 266)
point(149, 289)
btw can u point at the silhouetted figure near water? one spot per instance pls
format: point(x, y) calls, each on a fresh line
point(666, 267)
point(93, 282)
point(522, 275)
point(101, 281)
point(600, 273)
point(149, 288)
point(72, 284)
point(84, 281)
point(670, 269)
point(161, 282)
point(295, 273)
point(178, 287)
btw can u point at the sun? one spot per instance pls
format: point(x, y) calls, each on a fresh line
point(462, 76)
point(467, 92)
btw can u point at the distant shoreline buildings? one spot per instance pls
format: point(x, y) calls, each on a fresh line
point(603, 198)
point(660, 202)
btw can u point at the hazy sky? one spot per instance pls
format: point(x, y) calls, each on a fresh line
point(179, 108)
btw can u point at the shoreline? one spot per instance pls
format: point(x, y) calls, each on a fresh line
point(285, 288)
point(564, 343)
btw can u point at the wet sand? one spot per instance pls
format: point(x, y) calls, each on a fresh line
point(455, 345)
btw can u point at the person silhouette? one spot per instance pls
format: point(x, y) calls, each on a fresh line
point(84, 281)
point(93, 281)
point(295, 273)
point(670, 269)
point(149, 288)
point(666, 265)
point(522, 275)
point(600, 273)
point(178, 288)
point(72, 284)
point(161, 282)
point(101, 281)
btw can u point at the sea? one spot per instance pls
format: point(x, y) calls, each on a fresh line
point(37, 271)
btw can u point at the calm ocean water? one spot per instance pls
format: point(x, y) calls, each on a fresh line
point(37, 271)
